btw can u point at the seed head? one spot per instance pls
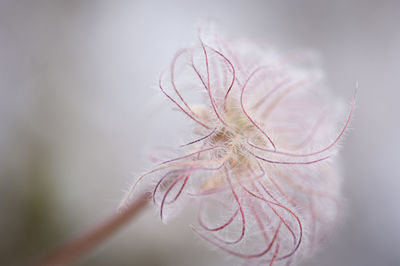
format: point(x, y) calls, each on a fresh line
point(262, 165)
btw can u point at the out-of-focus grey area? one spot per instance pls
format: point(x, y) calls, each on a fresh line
point(79, 109)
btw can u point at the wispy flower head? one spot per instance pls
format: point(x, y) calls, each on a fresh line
point(261, 165)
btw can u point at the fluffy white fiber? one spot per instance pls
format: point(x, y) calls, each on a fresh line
point(263, 163)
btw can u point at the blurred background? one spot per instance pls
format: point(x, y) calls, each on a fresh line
point(79, 110)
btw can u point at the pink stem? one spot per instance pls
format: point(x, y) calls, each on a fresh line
point(73, 250)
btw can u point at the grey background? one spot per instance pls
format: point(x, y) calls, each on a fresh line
point(79, 110)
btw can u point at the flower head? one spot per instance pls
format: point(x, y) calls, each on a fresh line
point(261, 165)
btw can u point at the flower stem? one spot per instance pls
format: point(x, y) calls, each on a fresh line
point(73, 250)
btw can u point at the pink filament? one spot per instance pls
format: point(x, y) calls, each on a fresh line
point(291, 213)
point(324, 149)
point(168, 191)
point(208, 87)
point(191, 154)
point(218, 228)
point(233, 74)
point(173, 78)
point(244, 111)
point(286, 162)
point(200, 139)
point(238, 254)
point(179, 106)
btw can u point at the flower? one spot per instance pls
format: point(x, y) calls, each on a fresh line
point(262, 165)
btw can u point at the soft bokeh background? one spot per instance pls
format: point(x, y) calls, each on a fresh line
point(79, 110)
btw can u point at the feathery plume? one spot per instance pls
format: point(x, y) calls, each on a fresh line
point(262, 165)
